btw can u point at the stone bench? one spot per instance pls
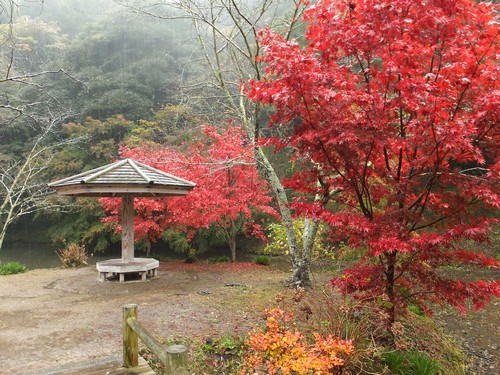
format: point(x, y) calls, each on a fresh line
point(143, 266)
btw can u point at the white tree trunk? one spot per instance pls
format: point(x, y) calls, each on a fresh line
point(269, 173)
point(237, 48)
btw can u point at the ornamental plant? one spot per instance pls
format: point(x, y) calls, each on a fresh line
point(394, 105)
point(280, 349)
point(278, 241)
point(73, 255)
point(228, 195)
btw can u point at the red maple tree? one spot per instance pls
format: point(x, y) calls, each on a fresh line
point(394, 104)
point(228, 193)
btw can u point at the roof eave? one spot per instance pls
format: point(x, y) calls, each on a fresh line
point(116, 190)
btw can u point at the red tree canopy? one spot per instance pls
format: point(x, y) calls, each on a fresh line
point(228, 192)
point(395, 103)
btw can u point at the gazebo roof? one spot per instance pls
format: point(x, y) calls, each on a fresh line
point(121, 178)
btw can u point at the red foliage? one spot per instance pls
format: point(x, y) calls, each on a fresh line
point(394, 105)
point(228, 188)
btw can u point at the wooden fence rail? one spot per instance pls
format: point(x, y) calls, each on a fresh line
point(173, 357)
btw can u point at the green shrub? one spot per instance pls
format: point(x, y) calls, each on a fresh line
point(416, 309)
point(178, 242)
point(411, 363)
point(225, 345)
point(12, 268)
point(219, 259)
point(419, 363)
point(278, 243)
point(73, 255)
point(263, 260)
point(395, 360)
point(216, 355)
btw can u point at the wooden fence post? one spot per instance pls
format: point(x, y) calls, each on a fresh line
point(173, 357)
point(130, 339)
point(177, 361)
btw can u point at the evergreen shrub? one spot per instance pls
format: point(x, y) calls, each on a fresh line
point(12, 268)
point(262, 260)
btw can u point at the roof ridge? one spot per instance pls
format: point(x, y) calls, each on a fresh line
point(104, 171)
point(159, 171)
point(81, 174)
point(134, 165)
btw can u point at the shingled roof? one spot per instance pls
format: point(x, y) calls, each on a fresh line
point(126, 176)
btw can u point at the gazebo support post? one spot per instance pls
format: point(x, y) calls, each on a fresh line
point(127, 228)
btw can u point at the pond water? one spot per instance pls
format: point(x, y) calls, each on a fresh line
point(40, 256)
point(44, 256)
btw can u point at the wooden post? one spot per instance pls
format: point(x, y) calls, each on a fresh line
point(130, 339)
point(174, 357)
point(177, 362)
point(127, 228)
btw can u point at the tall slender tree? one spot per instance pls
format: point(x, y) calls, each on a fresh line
point(227, 35)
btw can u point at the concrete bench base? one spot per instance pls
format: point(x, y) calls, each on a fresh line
point(145, 267)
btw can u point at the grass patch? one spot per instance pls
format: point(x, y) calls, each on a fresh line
point(426, 347)
point(411, 363)
point(263, 260)
point(220, 259)
point(12, 268)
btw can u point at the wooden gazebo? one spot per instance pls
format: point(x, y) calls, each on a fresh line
point(126, 179)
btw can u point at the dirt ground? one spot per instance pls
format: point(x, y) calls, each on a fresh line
point(51, 318)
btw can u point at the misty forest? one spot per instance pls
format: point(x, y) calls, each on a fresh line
point(356, 142)
point(80, 79)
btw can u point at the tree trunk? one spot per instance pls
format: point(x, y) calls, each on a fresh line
point(299, 268)
point(5, 225)
point(301, 272)
point(230, 235)
point(232, 247)
point(2, 236)
point(389, 289)
point(248, 113)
